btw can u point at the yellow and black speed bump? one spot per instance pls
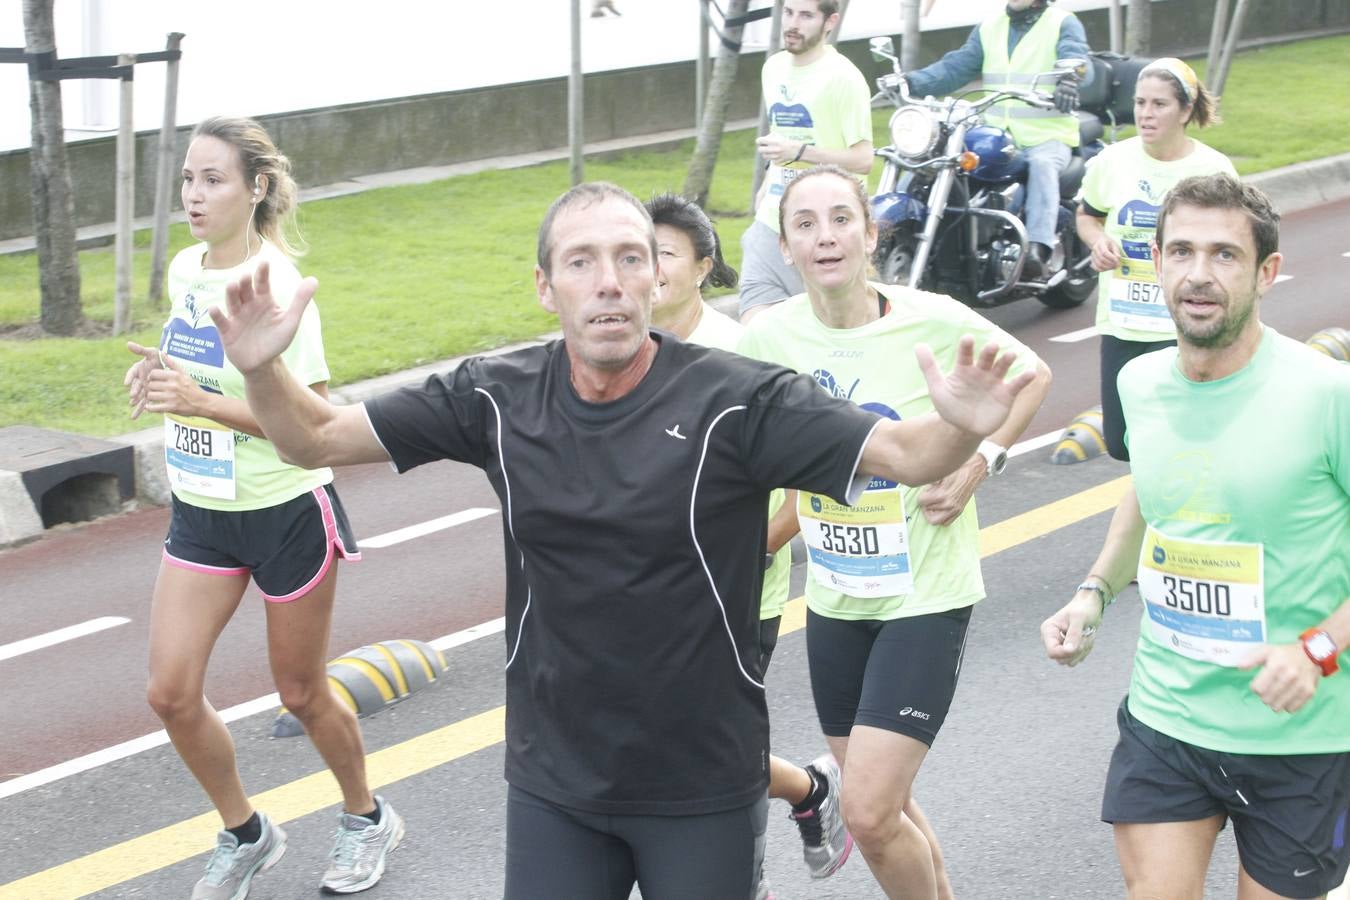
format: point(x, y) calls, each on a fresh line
point(372, 677)
point(1081, 440)
point(1334, 342)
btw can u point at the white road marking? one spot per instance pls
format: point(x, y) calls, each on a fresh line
point(459, 638)
point(1035, 443)
point(1081, 334)
point(398, 536)
point(272, 701)
point(234, 713)
point(59, 636)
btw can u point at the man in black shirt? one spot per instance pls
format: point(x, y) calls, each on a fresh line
point(633, 472)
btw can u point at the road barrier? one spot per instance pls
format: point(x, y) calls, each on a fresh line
point(374, 677)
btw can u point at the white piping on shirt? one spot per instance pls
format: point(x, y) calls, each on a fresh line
point(510, 527)
point(693, 536)
point(375, 434)
point(859, 481)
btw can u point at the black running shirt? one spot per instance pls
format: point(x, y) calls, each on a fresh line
point(635, 534)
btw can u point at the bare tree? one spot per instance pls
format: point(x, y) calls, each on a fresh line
point(699, 180)
point(53, 196)
point(839, 26)
point(1139, 28)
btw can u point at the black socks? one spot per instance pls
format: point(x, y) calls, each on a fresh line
point(249, 832)
point(820, 789)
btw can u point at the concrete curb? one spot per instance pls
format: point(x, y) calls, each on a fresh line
point(19, 519)
point(1291, 188)
point(1306, 184)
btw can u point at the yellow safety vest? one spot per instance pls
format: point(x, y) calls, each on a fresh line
point(1035, 53)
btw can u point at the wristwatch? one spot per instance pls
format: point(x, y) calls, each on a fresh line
point(1321, 649)
point(995, 457)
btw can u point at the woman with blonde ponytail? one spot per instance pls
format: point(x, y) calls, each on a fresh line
point(1118, 209)
point(239, 513)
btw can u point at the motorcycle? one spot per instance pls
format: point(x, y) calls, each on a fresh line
point(948, 202)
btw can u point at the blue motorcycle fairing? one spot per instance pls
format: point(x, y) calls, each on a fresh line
point(889, 210)
point(999, 158)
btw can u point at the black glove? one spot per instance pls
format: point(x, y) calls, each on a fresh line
point(1066, 95)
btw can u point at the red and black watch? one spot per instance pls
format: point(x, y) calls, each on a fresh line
point(1321, 649)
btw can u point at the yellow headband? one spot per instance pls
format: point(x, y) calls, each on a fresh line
point(1183, 73)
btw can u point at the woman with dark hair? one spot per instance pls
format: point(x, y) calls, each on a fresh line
point(690, 256)
point(239, 513)
point(1118, 209)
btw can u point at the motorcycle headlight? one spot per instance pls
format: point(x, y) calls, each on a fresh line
point(914, 131)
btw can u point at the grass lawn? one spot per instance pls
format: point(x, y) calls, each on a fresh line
point(419, 273)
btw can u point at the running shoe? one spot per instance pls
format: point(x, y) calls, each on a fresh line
point(357, 860)
point(763, 892)
point(232, 866)
point(826, 843)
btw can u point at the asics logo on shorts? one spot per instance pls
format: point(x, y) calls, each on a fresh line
point(916, 713)
point(675, 433)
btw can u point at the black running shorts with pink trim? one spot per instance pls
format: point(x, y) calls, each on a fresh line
point(288, 548)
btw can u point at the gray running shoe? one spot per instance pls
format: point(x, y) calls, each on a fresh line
point(232, 865)
point(357, 860)
point(826, 843)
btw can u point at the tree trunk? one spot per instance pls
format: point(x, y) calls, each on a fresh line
point(53, 197)
point(909, 35)
point(699, 180)
point(839, 26)
point(1139, 28)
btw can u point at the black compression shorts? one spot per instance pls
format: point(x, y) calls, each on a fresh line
point(1115, 353)
point(566, 854)
point(899, 675)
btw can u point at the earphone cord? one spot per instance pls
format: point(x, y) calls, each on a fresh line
point(248, 230)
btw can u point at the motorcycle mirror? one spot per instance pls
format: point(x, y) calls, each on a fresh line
point(1071, 65)
point(882, 48)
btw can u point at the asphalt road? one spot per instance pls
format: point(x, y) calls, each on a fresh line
point(1012, 785)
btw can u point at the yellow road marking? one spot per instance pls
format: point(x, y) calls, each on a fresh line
point(1045, 519)
point(183, 840)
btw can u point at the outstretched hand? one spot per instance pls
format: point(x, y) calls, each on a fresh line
point(973, 396)
point(253, 328)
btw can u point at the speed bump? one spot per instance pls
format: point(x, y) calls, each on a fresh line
point(1334, 342)
point(373, 677)
point(1081, 440)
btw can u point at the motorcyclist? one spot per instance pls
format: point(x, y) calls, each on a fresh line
point(1006, 50)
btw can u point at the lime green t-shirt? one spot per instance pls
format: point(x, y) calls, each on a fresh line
point(869, 547)
point(209, 464)
point(826, 103)
point(1128, 185)
point(716, 329)
point(1244, 483)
